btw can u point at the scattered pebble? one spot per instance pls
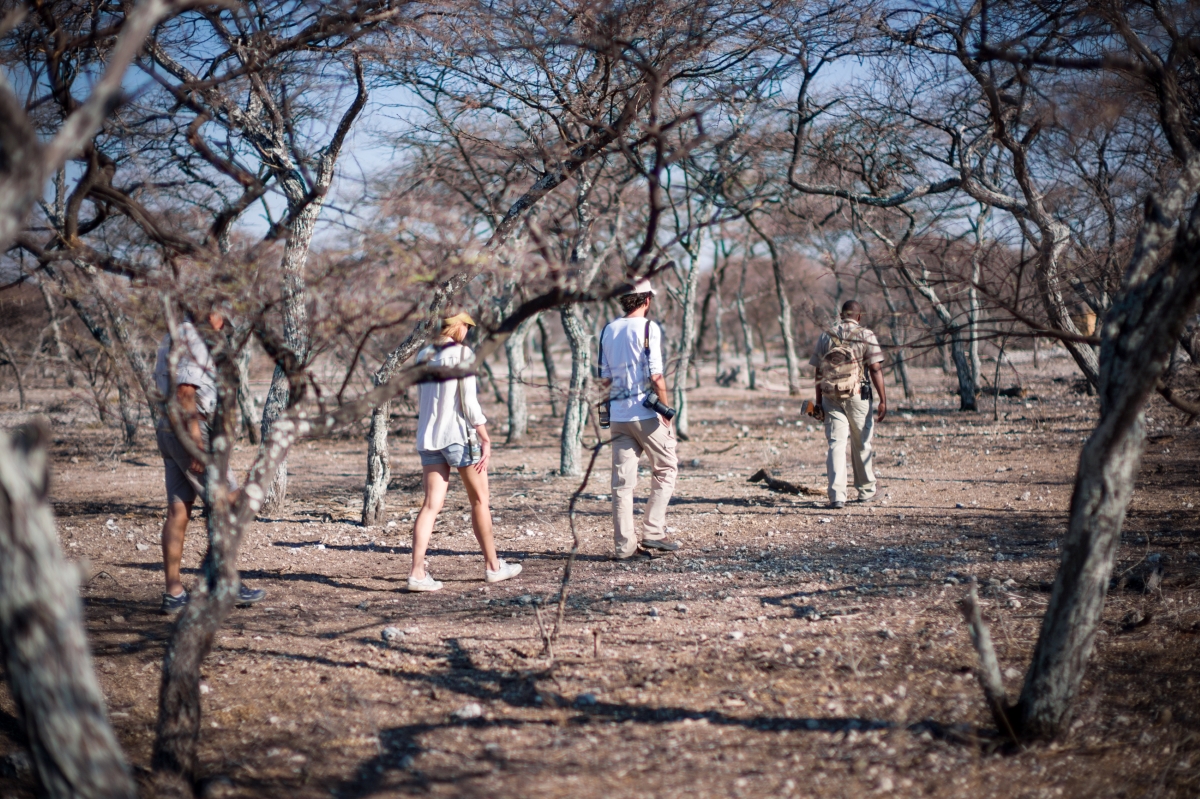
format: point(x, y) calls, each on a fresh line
point(736, 635)
point(586, 700)
point(391, 634)
point(653, 613)
point(471, 710)
point(681, 608)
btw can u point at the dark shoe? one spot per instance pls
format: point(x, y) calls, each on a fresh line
point(173, 604)
point(836, 505)
point(248, 596)
point(661, 544)
point(864, 500)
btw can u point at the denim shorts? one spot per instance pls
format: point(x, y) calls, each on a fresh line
point(456, 455)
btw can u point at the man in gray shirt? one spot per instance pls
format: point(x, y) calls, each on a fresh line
point(196, 394)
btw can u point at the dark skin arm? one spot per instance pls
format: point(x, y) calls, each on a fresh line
point(877, 381)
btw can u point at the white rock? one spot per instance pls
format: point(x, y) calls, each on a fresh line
point(736, 635)
point(471, 710)
point(391, 634)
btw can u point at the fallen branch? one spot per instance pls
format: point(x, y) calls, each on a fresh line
point(990, 678)
point(566, 577)
point(783, 486)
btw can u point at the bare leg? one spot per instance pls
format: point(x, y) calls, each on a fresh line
point(481, 513)
point(436, 481)
point(174, 529)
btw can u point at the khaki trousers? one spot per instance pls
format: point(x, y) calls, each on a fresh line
point(629, 441)
point(849, 420)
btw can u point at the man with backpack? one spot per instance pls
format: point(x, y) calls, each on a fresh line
point(631, 369)
point(848, 361)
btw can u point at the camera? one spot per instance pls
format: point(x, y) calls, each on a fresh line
point(604, 412)
point(653, 403)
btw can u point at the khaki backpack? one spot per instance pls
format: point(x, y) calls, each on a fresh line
point(841, 372)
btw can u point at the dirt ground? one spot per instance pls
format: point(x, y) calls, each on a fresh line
point(785, 650)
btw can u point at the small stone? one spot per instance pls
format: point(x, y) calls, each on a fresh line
point(1011, 674)
point(411, 630)
point(141, 547)
point(653, 613)
point(1165, 716)
point(391, 634)
point(471, 710)
point(951, 581)
point(819, 652)
point(586, 700)
point(118, 619)
point(885, 785)
point(681, 608)
point(204, 688)
point(1015, 604)
point(362, 605)
point(787, 649)
point(886, 634)
point(525, 599)
point(736, 635)
point(959, 505)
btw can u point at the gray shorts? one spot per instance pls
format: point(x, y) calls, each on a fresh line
point(456, 455)
point(183, 485)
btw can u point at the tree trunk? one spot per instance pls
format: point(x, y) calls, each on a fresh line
point(130, 410)
point(898, 360)
point(518, 408)
point(9, 354)
point(56, 331)
point(48, 661)
point(244, 402)
point(548, 362)
point(785, 314)
point(1138, 335)
point(575, 415)
point(747, 335)
point(295, 336)
point(687, 335)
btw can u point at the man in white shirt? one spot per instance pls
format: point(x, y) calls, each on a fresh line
point(631, 366)
point(196, 394)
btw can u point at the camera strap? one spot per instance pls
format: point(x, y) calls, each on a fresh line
point(645, 354)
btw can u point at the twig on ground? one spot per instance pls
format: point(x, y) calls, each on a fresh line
point(708, 451)
point(566, 577)
point(784, 486)
point(547, 641)
point(990, 678)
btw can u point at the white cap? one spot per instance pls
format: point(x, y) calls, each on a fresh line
point(641, 287)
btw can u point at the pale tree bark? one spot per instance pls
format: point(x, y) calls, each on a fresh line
point(585, 263)
point(60, 349)
point(304, 206)
point(744, 321)
point(1138, 335)
point(48, 661)
point(899, 359)
point(785, 312)
point(687, 334)
point(518, 406)
point(296, 337)
point(9, 355)
point(575, 412)
point(548, 363)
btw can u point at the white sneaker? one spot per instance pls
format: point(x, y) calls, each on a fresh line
point(506, 571)
point(426, 583)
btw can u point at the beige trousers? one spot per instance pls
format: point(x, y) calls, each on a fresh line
point(849, 420)
point(629, 441)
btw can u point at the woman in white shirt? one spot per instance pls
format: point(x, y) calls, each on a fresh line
point(443, 440)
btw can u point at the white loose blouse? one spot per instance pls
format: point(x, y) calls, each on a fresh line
point(440, 421)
